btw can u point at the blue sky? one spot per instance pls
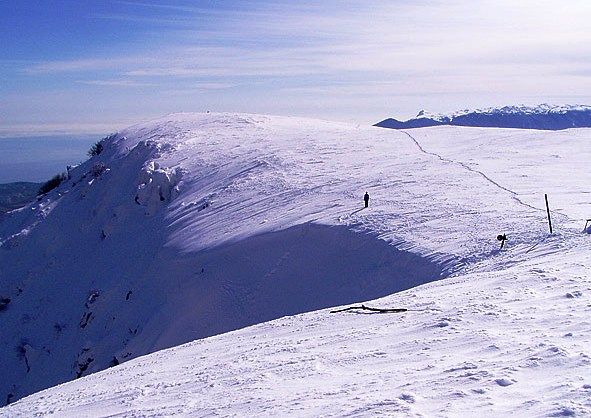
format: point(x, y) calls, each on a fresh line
point(97, 66)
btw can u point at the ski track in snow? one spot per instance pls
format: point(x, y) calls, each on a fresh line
point(264, 198)
point(467, 167)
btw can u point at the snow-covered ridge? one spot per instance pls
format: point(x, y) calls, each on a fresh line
point(193, 225)
point(544, 116)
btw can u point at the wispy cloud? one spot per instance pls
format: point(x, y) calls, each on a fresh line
point(115, 83)
point(81, 65)
point(170, 21)
point(162, 6)
point(382, 38)
point(348, 56)
point(69, 128)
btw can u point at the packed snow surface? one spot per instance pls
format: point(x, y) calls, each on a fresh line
point(194, 225)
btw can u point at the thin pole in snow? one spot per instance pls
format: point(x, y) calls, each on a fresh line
point(548, 210)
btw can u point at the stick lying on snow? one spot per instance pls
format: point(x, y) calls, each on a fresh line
point(367, 308)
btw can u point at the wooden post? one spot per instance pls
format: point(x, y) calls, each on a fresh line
point(548, 210)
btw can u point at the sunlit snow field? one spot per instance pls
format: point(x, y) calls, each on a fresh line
point(221, 221)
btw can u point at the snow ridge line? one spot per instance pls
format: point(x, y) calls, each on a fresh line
point(514, 195)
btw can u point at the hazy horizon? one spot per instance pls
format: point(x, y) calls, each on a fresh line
point(38, 158)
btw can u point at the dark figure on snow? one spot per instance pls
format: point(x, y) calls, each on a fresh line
point(502, 238)
point(366, 199)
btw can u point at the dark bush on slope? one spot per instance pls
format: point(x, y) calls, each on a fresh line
point(96, 149)
point(52, 183)
point(98, 169)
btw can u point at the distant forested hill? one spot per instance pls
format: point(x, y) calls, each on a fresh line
point(16, 195)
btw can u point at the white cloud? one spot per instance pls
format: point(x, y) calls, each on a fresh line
point(290, 54)
point(382, 37)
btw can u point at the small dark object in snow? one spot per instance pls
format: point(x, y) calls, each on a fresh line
point(4, 303)
point(85, 320)
point(548, 212)
point(114, 362)
point(98, 169)
point(502, 238)
point(367, 308)
point(21, 352)
point(58, 327)
point(128, 295)
point(366, 199)
point(83, 366)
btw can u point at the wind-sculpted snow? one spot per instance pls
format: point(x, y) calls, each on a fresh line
point(194, 225)
point(544, 117)
point(156, 185)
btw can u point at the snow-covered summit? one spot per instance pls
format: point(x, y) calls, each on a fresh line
point(544, 116)
point(196, 224)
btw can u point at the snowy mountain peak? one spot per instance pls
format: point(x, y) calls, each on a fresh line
point(543, 116)
point(193, 225)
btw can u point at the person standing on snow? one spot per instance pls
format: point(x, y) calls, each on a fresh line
point(366, 199)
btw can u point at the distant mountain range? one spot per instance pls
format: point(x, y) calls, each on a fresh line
point(547, 117)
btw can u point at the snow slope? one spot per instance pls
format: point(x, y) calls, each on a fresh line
point(216, 222)
point(508, 342)
point(547, 117)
